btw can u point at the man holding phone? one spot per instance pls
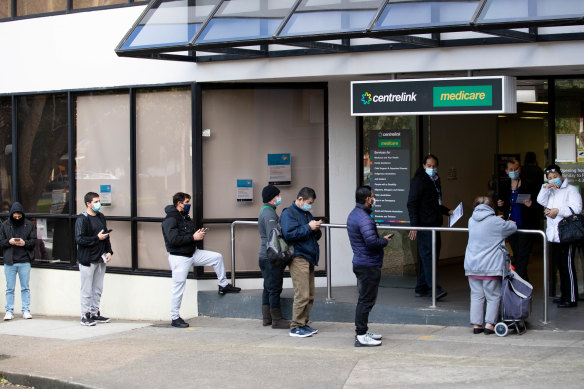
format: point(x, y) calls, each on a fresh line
point(367, 261)
point(180, 238)
point(94, 250)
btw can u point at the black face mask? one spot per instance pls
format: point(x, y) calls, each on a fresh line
point(17, 222)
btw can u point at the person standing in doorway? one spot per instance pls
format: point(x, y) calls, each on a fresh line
point(181, 240)
point(300, 229)
point(272, 273)
point(94, 251)
point(426, 209)
point(367, 261)
point(524, 213)
point(18, 239)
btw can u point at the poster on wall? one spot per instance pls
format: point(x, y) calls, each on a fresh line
point(565, 147)
point(244, 190)
point(574, 172)
point(389, 154)
point(105, 195)
point(279, 169)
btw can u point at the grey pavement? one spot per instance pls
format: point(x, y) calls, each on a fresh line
point(240, 353)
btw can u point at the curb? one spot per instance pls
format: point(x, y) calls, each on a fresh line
point(40, 382)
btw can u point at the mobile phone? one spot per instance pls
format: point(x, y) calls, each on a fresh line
point(389, 236)
point(205, 229)
point(106, 231)
point(17, 239)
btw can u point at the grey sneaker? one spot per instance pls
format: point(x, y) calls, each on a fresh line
point(372, 336)
point(366, 341)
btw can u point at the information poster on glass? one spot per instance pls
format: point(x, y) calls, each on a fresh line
point(105, 195)
point(279, 169)
point(389, 154)
point(244, 190)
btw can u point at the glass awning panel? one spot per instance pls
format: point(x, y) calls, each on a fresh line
point(167, 23)
point(317, 17)
point(504, 11)
point(407, 14)
point(238, 20)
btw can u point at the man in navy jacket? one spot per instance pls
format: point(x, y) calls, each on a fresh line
point(367, 260)
point(300, 229)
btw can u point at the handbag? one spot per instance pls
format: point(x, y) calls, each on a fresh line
point(279, 252)
point(571, 228)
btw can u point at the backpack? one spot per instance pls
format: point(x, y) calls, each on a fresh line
point(279, 252)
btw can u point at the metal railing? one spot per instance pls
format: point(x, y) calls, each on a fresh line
point(327, 228)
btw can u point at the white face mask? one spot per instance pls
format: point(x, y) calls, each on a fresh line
point(372, 202)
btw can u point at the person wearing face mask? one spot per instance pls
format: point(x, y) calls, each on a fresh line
point(180, 239)
point(18, 239)
point(367, 261)
point(525, 214)
point(560, 199)
point(273, 275)
point(426, 209)
point(300, 229)
point(94, 250)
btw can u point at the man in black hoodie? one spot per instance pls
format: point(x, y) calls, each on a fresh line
point(181, 240)
point(426, 210)
point(18, 239)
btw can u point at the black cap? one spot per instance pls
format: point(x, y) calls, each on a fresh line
point(269, 192)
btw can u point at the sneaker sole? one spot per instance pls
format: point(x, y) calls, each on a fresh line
point(88, 324)
point(359, 344)
point(102, 321)
point(300, 336)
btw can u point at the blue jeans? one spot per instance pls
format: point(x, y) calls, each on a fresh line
point(273, 280)
point(424, 239)
point(23, 271)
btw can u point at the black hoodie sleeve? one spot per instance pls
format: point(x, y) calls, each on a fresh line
point(30, 240)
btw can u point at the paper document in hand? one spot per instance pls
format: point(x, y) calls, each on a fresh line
point(522, 197)
point(456, 214)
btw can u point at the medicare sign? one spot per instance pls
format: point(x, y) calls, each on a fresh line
point(446, 96)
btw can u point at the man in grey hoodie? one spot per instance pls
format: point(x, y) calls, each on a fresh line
point(484, 261)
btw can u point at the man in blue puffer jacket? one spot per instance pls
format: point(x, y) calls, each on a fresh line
point(367, 260)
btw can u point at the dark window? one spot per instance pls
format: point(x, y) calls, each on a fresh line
point(5, 154)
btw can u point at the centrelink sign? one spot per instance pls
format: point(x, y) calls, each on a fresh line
point(434, 96)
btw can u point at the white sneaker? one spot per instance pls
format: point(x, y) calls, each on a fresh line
point(9, 316)
point(366, 341)
point(374, 336)
point(26, 315)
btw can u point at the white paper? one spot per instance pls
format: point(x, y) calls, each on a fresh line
point(456, 214)
point(566, 148)
point(522, 197)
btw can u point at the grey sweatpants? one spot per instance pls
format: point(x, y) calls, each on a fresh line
point(180, 267)
point(481, 290)
point(91, 287)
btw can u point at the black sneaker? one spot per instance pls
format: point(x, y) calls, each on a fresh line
point(228, 289)
point(180, 323)
point(87, 320)
point(100, 319)
point(441, 294)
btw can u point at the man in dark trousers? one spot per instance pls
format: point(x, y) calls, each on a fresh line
point(426, 210)
point(94, 250)
point(181, 240)
point(367, 261)
point(524, 213)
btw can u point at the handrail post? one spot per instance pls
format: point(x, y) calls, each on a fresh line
point(433, 269)
point(329, 297)
point(545, 278)
point(233, 253)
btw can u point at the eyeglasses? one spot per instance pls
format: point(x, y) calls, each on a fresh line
point(550, 171)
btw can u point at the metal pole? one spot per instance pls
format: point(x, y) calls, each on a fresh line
point(327, 235)
point(233, 253)
point(433, 269)
point(545, 278)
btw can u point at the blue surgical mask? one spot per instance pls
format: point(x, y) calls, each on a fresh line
point(96, 207)
point(556, 181)
point(431, 172)
point(306, 207)
point(278, 201)
point(186, 208)
point(513, 175)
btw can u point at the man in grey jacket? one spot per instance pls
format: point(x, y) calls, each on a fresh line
point(273, 274)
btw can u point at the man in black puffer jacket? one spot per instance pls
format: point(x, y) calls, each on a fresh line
point(426, 210)
point(181, 240)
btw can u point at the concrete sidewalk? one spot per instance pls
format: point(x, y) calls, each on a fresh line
point(240, 353)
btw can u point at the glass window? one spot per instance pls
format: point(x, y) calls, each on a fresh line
point(514, 10)
point(245, 19)
point(121, 243)
point(151, 248)
point(259, 122)
point(163, 144)
point(331, 16)
point(5, 9)
point(5, 154)
point(170, 23)
point(55, 240)
point(43, 153)
point(34, 7)
point(103, 150)
point(78, 4)
point(407, 14)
